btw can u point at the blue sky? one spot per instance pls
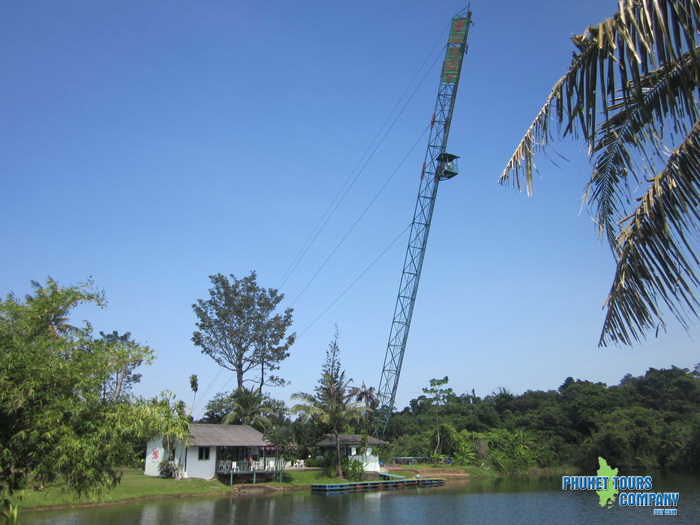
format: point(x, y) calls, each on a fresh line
point(152, 144)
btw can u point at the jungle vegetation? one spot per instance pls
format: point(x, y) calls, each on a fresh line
point(649, 421)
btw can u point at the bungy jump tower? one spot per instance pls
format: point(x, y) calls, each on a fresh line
point(438, 166)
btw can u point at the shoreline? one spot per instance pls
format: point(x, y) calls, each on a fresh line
point(451, 477)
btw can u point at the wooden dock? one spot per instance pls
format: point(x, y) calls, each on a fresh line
point(365, 486)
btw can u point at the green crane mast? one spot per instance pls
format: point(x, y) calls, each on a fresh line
point(438, 166)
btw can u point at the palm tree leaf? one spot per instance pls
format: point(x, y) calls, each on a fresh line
point(640, 34)
point(638, 73)
point(658, 251)
point(666, 98)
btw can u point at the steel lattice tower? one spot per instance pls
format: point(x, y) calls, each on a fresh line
point(438, 166)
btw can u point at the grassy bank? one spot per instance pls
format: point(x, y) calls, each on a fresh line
point(135, 485)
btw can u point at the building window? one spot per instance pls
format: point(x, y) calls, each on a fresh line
point(204, 453)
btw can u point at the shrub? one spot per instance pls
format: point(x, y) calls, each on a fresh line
point(353, 470)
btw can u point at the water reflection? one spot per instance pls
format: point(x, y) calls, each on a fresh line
point(509, 500)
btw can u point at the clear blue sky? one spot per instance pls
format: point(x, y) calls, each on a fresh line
point(151, 144)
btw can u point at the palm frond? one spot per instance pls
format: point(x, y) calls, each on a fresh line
point(521, 165)
point(308, 406)
point(659, 247)
point(628, 128)
point(633, 87)
point(613, 58)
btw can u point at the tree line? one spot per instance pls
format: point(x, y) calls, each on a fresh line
point(649, 421)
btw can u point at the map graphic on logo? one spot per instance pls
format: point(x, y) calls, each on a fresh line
point(607, 496)
point(636, 490)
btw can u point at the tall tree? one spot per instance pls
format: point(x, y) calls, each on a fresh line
point(332, 403)
point(631, 93)
point(239, 329)
point(438, 398)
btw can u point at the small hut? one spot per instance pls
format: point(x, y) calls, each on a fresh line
point(350, 445)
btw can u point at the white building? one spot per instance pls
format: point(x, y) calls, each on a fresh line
point(215, 449)
point(350, 447)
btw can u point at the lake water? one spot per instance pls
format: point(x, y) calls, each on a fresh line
point(510, 500)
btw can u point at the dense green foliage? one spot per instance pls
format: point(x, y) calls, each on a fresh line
point(246, 407)
point(59, 416)
point(651, 421)
point(353, 470)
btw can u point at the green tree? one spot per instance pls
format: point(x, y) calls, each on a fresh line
point(224, 404)
point(674, 391)
point(367, 397)
point(51, 304)
point(54, 420)
point(237, 328)
point(644, 422)
point(438, 398)
point(631, 94)
point(585, 402)
point(194, 386)
point(630, 437)
point(126, 355)
point(332, 403)
point(684, 436)
point(248, 409)
point(173, 427)
point(465, 450)
point(282, 437)
point(217, 408)
point(510, 451)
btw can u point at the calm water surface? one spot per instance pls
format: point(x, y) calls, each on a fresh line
point(511, 501)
